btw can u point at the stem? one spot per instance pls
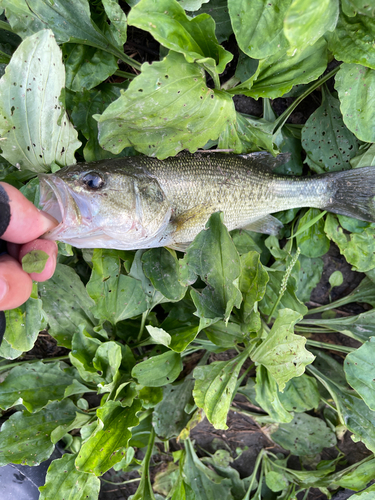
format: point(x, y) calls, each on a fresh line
point(123, 482)
point(143, 322)
point(229, 84)
point(305, 329)
point(254, 474)
point(332, 347)
point(17, 363)
point(284, 116)
point(124, 74)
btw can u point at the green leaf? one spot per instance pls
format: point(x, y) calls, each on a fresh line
point(304, 435)
point(214, 388)
point(33, 123)
point(86, 66)
point(282, 352)
point(64, 480)
point(66, 304)
point(86, 104)
point(355, 85)
point(300, 394)
point(310, 274)
point(358, 478)
point(150, 397)
point(205, 483)
point(34, 261)
point(184, 115)
point(70, 21)
point(158, 370)
point(25, 438)
point(162, 268)
point(213, 257)
point(360, 327)
point(277, 74)
point(117, 19)
point(276, 481)
point(329, 145)
point(349, 42)
point(107, 444)
point(358, 248)
point(313, 242)
point(181, 327)
point(268, 397)
point(194, 38)
point(252, 285)
point(226, 335)
point(24, 323)
point(353, 7)
point(359, 371)
point(169, 416)
point(218, 10)
point(34, 385)
point(250, 22)
point(306, 21)
point(117, 297)
point(336, 279)
point(365, 157)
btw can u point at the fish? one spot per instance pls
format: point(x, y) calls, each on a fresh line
point(141, 202)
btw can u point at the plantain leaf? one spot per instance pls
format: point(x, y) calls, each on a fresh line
point(358, 367)
point(268, 397)
point(71, 482)
point(158, 370)
point(313, 242)
point(34, 126)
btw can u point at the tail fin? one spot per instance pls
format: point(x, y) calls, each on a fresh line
point(353, 193)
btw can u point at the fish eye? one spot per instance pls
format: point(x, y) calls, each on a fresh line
point(93, 180)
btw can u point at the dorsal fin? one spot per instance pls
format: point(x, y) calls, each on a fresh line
point(266, 159)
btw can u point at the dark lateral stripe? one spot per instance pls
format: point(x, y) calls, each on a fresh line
point(4, 211)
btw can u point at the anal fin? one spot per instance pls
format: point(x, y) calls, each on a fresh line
point(267, 224)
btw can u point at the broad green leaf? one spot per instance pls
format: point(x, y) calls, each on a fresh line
point(7, 351)
point(194, 38)
point(252, 20)
point(277, 74)
point(218, 10)
point(86, 66)
point(34, 261)
point(304, 435)
point(34, 385)
point(169, 416)
point(25, 438)
point(310, 274)
point(33, 123)
point(117, 19)
point(213, 257)
point(300, 394)
point(167, 480)
point(165, 111)
point(253, 280)
point(86, 104)
point(329, 145)
point(268, 397)
point(70, 21)
point(306, 21)
point(84, 349)
point(359, 371)
point(205, 483)
point(181, 326)
point(365, 157)
point(161, 267)
point(282, 352)
point(349, 42)
point(367, 494)
point(66, 304)
point(107, 361)
point(192, 5)
point(152, 296)
point(358, 248)
point(358, 478)
point(117, 297)
point(360, 327)
point(65, 481)
point(276, 481)
point(353, 7)
point(226, 335)
point(353, 411)
point(24, 323)
point(107, 444)
point(313, 242)
point(158, 370)
point(242, 134)
point(355, 85)
point(150, 397)
point(214, 388)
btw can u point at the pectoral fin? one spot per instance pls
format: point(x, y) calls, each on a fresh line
point(187, 225)
point(266, 224)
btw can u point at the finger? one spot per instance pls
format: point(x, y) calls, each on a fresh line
point(20, 220)
point(47, 246)
point(15, 284)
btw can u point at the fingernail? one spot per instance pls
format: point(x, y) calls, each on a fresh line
point(49, 222)
point(4, 211)
point(3, 288)
point(2, 325)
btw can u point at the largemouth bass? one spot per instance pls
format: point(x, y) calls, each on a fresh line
point(141, 202)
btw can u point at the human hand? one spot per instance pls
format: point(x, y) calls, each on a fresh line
point(21, 224)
